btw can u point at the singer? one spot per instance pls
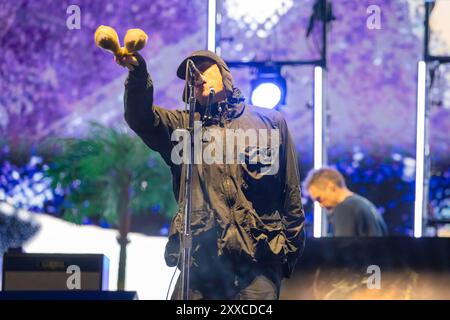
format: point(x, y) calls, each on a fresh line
point(247, 223)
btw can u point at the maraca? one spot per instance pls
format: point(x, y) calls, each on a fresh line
point(135, 40)
point(107, 39)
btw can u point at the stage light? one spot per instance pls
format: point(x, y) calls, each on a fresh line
point(319, 147)
point(212, 15)
point(266, 94)
point(420, 149)
point(268, 90)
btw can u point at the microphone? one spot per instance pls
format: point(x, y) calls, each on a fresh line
point(211, 95)
point(207, 115)
point(193, 68)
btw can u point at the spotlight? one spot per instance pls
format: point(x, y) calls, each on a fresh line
point(268, 90)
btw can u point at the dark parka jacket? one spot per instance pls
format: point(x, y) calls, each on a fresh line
point(259, 217)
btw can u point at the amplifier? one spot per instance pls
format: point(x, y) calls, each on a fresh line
point(57, 272)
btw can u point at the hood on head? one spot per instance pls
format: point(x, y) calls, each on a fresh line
point(200, 55)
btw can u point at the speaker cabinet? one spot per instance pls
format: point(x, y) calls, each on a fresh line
point(54, 272)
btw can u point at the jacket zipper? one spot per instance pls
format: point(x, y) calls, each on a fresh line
point(227, 178)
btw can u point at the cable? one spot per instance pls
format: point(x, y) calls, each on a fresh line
point(173, 276)
point(185, 92)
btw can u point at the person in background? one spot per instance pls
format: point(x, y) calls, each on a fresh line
point(351, 215)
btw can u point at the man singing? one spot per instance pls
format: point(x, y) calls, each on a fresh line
point(247, 217)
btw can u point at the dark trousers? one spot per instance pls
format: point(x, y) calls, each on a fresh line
point(246, 281)
point(228, 277)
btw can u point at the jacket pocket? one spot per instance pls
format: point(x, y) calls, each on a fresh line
point(201, 220)
point(269, 238)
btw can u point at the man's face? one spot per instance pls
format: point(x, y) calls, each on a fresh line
point(210, 78)
point(325, 195)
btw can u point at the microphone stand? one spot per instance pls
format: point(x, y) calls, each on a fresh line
point(187, 236)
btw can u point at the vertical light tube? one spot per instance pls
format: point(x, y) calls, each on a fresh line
point(420, 148)
point(212, 12)
point(318, 141)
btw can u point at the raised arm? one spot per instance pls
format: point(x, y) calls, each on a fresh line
point(153, 124)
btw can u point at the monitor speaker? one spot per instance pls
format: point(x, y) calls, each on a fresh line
point(54, 272)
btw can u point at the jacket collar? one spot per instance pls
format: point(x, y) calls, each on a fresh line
point(226, 110)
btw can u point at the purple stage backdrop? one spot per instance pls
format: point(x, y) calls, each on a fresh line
point(54, 79)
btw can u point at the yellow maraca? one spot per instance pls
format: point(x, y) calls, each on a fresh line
point(107, 38)
point(135, 40)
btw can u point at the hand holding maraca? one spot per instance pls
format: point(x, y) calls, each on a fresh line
point(135, 39)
